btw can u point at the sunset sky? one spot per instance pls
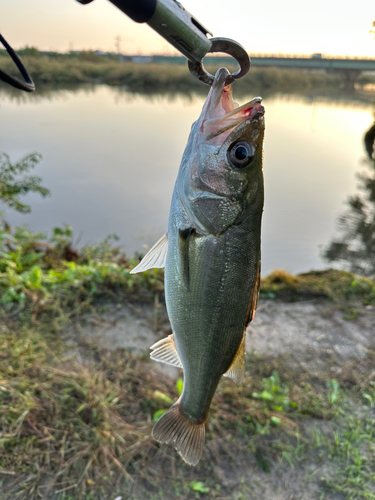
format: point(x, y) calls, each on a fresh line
point(270, 26)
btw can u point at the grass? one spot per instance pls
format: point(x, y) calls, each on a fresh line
point(65, 425)
point(81, 430)
point(85, 429)
point(40, 276)
point(159, 77)
point(70, 427)
point(351, 451)
point(339, 286)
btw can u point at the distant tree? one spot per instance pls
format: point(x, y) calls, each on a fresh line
point(356, 246)
point(89, 55)
point(30, 51)
point(14, 183)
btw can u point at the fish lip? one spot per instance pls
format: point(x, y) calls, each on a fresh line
point(259, 112)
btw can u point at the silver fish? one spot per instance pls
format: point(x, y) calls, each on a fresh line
point(211, 255)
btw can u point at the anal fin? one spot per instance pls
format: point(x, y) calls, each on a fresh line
point(237, 369)
point(165, 351)
point(187, 437)
point(155, 257)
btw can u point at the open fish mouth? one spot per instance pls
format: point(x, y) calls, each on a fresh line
point(215, 127)
point(223, 114)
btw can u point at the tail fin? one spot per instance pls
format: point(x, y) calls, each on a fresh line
point(188, 438)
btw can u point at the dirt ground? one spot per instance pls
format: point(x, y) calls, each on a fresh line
point(312, 336)
point(305, 330)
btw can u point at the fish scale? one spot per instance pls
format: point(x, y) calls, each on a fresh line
point(209, 323)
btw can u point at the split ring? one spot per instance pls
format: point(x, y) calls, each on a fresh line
point(229, 47)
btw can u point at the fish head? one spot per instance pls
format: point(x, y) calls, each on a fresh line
point(222, 164)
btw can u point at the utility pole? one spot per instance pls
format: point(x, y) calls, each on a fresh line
point(118, 46)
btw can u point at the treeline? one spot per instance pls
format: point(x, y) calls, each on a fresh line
point(82, 55)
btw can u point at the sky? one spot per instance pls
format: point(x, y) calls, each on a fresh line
point(269, 26)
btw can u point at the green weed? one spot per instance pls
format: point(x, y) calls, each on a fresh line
point(350, 448)
point(50, 277)
point(200, 487)
point(344, 288)
point(274, 395)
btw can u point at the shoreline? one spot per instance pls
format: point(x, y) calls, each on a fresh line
point(151, 76)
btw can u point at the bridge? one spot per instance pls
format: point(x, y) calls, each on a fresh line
point(349, 68)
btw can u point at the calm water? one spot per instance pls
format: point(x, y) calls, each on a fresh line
point(110, 159)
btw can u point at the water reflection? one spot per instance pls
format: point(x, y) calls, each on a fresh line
point(110, 159)
point(369, 141)
point(48, 92)
point(355, 249)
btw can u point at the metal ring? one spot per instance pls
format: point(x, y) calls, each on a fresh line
point(227, 46)
point(28, 85)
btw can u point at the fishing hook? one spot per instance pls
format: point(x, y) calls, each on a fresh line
point(28, 85)
point(229, 47)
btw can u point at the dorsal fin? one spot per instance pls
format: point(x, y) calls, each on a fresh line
point(155, 257)
point(237, 369)
point(165, 351)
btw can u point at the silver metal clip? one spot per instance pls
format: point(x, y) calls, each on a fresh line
point(229, 47)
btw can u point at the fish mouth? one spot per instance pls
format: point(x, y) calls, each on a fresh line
point(222, 114)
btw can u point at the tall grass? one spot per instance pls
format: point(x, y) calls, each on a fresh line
point(47, 70)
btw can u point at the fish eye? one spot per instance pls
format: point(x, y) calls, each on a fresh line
point(241, 154)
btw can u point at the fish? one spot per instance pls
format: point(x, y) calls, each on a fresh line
point(211, 255)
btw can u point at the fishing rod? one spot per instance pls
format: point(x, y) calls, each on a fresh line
point(28, 85)
point(175, 24)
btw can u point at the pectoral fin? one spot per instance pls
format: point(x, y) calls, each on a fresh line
point(155, 257)
point(165, 351)
point(237, 369)
point(185, 237)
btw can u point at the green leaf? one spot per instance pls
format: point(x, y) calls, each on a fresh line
point(199, 486)
point(31, 258)
point(35, 277)
point(335, 390)
point(265, 395)
point(158, 414)
point(163, 397)
point(275, 421)
point(82, 407)
point(179, 385)
point(14, 183)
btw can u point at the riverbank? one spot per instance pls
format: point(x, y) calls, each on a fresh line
point(78, 395)
point(143, 77)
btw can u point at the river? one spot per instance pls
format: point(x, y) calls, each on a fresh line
point(110, 159)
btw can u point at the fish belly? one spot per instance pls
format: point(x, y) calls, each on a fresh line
point(208, 283)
